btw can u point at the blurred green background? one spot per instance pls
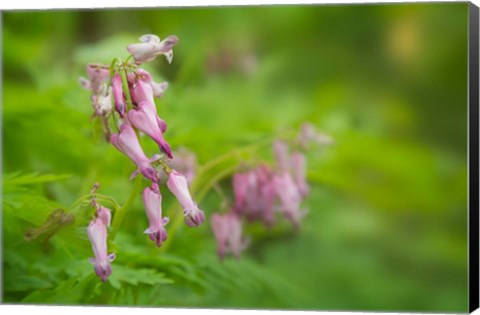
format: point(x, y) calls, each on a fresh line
point(387, 228)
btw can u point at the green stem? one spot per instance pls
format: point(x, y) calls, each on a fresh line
point(122, 211)
point(88, 197)
point(126, 90)
point(115, 61)
point(218, 177)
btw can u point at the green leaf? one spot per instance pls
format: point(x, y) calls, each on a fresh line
point(136, 276)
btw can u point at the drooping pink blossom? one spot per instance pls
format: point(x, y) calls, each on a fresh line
point(255, 195)
point(290, 198)
point(127, 143)
point(252, 208)
point(144, 119)
point(118, 96)
point(152, 200)
point(97, 233)
point(150, 47)
point(268, 195)
point(281, 155)
point(142, 92)
point(177, 183)
point(240, 186)
point(157, 88)
point(228, 232)
point(299, 165)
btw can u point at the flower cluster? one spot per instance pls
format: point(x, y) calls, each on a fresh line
point(132, 91)
point(263, 191)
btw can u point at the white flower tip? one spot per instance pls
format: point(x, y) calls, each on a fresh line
point(169, 56)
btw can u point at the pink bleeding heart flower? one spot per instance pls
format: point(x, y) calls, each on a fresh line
point(142, 93)
point(252, 205)
point(152, 200)
point(282, 155)
point(127, 143)
point(290, 198)
point(97, 233)
point(151, 47)
point(157, 88)
point(228, 232)
point(299, 166)
point(266, 195)
point(177, 183)
point(118, 96)
point(144, 119)
point(240, 187)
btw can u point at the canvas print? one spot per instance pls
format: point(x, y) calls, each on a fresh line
point(301, 157)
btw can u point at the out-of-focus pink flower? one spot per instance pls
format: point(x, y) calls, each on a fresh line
point(268, 195)
point(97, 233)
point(299, 165)
point(127, 143)
point(252, 199)
point(151, 47)
point(228, 232)
point(282, 155)
point(144, 119)
point(308, 134)
point(97, 77)
point(240, 186)
point(118, 96)
point(152, 200)
point(255, 195)
point(290, 198)
point(177, 183)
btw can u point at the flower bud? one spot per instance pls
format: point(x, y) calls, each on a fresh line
point(118, 96)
